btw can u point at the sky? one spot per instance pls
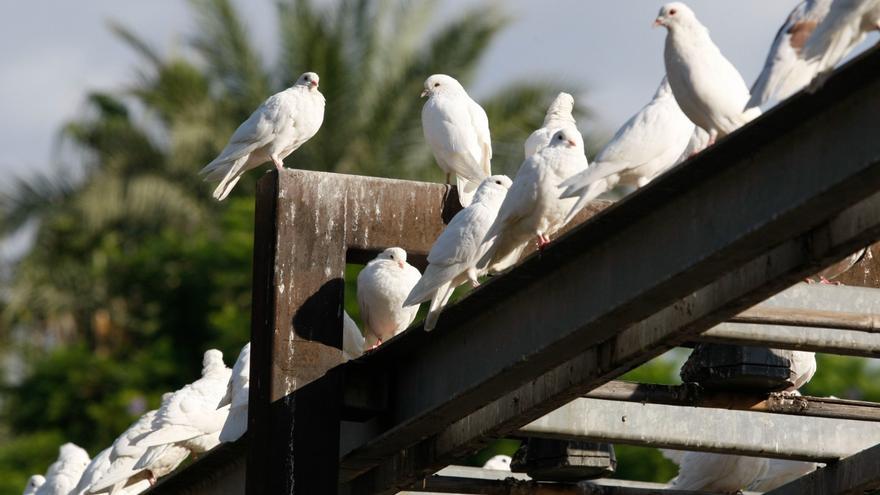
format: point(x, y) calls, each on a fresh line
point(55, 51)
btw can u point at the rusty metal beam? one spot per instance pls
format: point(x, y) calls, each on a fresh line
point(692, 395)
point(782, 436)
point(472, 480)
point(702, 243)
point(855, 475)
point(809, 318)
point(827, 340)
point(307, 225)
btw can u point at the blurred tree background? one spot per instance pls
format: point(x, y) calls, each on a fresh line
point(133, 270)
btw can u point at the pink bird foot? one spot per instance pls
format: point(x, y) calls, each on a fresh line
point(542, 242)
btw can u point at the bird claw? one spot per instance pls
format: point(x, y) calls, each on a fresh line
point(475, 283)
point(542, 242)
point(825, 281)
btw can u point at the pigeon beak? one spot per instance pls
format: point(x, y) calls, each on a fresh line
point(571, 143)
point(313, 84)
point(658, 22)
point(400, 264)
point(424, 93)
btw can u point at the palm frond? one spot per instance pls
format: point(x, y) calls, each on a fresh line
point(231, 59)
point(135, 42)
point(24, 199)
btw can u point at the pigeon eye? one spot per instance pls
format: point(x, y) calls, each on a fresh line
point(498, 182)
point(436, 85)
point(672, 12)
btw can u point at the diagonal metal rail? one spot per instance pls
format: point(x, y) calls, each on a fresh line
point(754, 214)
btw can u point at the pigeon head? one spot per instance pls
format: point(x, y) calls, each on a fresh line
point(493, 188)
point(34, 483)
point(566, 139)
point(212, 361)
point(309, 80)
point(673, 15)
point(440, 84)
point(394, 254)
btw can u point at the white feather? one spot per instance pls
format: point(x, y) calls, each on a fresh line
point(382, 288)
point(648, 144)
point(453, 257)
point(457, 131)
point(785, 71)
point(707, 87)
point(283, 123)
point(532, 207)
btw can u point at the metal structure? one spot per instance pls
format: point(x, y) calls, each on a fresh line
point(532, 352)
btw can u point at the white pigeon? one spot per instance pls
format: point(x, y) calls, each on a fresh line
point(64, 474)
point(124, 454)
point(558, 117)
point(192, 416)
point(845, 26)
point(708, 472)
point(647, 145)
point(454, 255)
point(382, 287)
point(457, 131)
point(142, 473)
point(352, 338)
point(159, 461)
point(785, 71)
point(532, 208)
point(236, 397)
point(282, 124)
point(93, 472)
point(34, 483)
point(707, 87)
point(782, 471)
point(498, 463)
point(803, 367)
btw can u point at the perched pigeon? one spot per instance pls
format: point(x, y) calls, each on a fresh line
point(803, 367)
point(457, 130)
point(647, 145)
point(124, 454)
point(352, 338)
point(708, 472)
point(192, 417)
point(785, 71)
point(64, 474)
point(845, 26)
point(275, 130)
point(236, 397)
point(454, 255)
point(780, 472)
point(382, 287)
point(34, 483)
point(93, 472)
point(498, 463)
point(558, 117)
point(532, 208)
point(708, 88)
point(160, 460)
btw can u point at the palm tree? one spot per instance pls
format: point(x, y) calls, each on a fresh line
point(139, 174)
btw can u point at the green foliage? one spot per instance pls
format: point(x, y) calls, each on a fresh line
point(26, 454)
point(134, 270)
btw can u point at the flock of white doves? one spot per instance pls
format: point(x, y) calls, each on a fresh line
point(702, 98)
